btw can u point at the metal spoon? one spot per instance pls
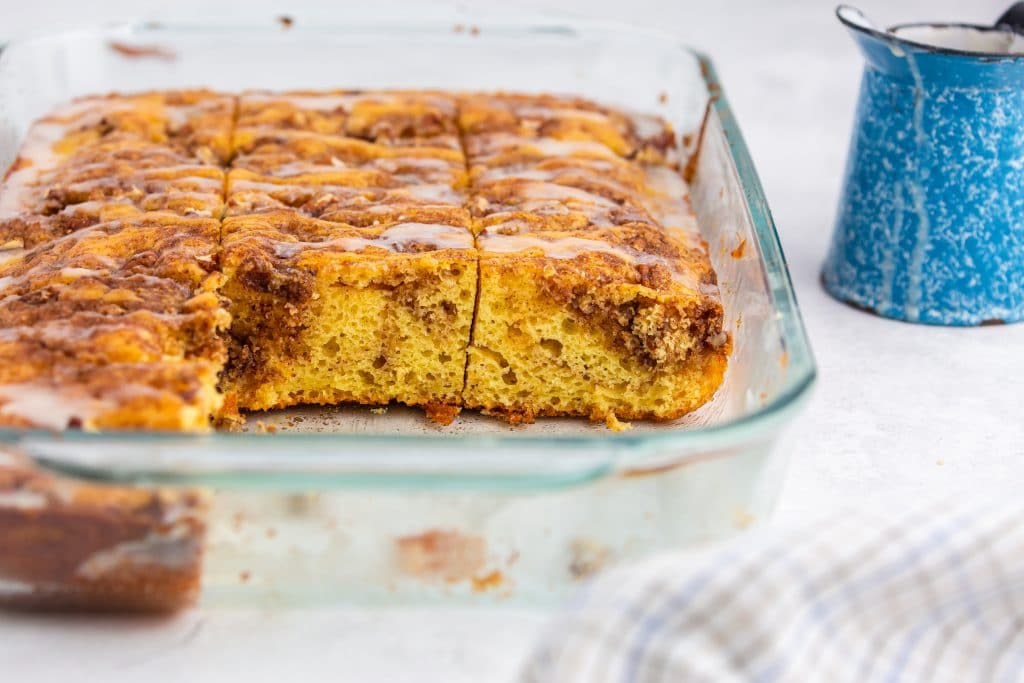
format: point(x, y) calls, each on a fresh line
point(1013, 19)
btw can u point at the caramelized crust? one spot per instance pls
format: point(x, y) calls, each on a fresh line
point(351, 198)
point(636, 254)
point(349, 157)
point(395, 118)
point(147, 152)
point(158, 245)
point(570, 119)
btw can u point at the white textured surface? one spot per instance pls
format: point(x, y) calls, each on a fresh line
point(900, 413)
point(862, 596)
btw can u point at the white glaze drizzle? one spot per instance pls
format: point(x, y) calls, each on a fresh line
point(394, 238)
point(386, 199)
point(19, 190)
point(345, 102)
point(9, 587)
point(490, 144)
point(435, 193)
point(534, 192)
point(552, 199)
point(179, 115)
point(570, 246)
point(22, 500)
point(646, 127)
point(444, 143)
point(393, 163)
point(544, 112)
point(210, 186)
point(46, 406)
point(90, 263)
point(408, 169)
point(668, 202)
point(54, 332)
point(313, 102)
point(172, 550)
point(596, 168)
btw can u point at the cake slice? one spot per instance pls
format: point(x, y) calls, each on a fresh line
point(560, 121)
point(606, 323)
point(109, 231)
point(393, 117)
point(101, 158)
point(348, 254)
point(325, 312)
point(596, 295)
point(113, 326)
point(354, 158)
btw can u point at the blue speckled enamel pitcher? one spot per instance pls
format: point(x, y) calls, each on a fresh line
point(931, 221)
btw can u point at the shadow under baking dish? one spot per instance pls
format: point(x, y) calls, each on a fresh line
point(346, 503)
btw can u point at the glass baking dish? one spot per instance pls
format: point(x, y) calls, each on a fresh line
point(350, 504)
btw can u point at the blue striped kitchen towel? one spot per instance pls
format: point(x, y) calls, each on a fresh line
point(936, 594)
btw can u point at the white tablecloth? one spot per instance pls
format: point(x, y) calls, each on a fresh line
point(935, 594)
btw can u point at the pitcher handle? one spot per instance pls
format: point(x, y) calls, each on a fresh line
point(1013, 19)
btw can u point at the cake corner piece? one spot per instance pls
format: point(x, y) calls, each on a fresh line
point(597, 296)
point(586, 336)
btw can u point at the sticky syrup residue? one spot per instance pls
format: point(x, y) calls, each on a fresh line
point(441, 555)
point(737, 253)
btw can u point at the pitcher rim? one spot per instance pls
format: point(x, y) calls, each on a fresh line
point(890, 37)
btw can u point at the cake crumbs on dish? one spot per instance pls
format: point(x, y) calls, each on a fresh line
point(587, 557)
point(442, 413)
point(613, 423)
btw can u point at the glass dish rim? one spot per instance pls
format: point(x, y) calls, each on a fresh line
point(801, 366)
